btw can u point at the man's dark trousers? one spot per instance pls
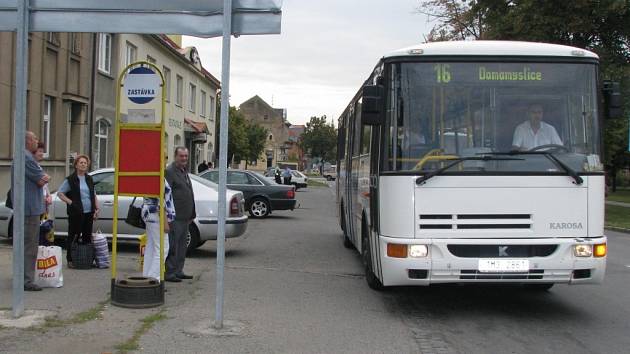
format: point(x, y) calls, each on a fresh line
point(31, 241)
point(177, 249)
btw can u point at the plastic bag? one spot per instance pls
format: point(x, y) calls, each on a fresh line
point(48, 269)
point(101, 251)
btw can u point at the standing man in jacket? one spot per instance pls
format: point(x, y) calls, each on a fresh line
point(184, 200)
point(33, 208)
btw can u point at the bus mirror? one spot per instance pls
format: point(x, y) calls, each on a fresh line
point(612, 99)
point(372, 105)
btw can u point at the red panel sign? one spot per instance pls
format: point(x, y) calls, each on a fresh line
point(141, 185)
point(139, 151)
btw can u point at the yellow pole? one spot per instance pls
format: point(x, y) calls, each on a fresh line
point(117, 174)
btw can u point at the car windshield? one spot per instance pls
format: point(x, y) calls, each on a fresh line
point(443, 111)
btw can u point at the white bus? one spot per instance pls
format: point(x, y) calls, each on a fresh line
point(446, 173)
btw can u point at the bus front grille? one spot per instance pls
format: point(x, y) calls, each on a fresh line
point(473, 274)
point(497, 251)
point(475, 221)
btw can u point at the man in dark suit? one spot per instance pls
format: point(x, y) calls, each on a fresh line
point(184, 199)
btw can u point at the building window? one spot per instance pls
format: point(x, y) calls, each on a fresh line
point(102, 135)
point(180, 91)
point(131, 54)
point(270, 137)
point(167, 82)
point(212, 109)
point(203, 104)
point(53, 37)
point(75, 43)
point(178, 141)
point(265, 117)
point(166, 146)
point(47, 118)
point(105, 52)
point(151, 59)
point(192, 101)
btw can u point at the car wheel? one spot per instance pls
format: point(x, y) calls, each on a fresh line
point(259, 208)
point(192, 239)
point(328, 178)
point(370, 277)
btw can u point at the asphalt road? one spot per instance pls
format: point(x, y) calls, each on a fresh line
point(292, 287)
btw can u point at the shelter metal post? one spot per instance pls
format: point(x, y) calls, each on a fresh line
point(223, 146)
point(19, 140)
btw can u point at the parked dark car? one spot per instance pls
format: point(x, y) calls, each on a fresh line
point(261, 196)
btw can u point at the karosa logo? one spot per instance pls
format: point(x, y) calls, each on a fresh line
point(565, 225)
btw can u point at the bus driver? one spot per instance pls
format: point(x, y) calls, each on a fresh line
point(534, 132)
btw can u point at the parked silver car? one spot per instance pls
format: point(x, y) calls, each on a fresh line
point(203, 228)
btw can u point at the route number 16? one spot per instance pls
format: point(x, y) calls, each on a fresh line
point(443, 73)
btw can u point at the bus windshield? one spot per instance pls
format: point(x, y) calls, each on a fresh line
point(438, 112)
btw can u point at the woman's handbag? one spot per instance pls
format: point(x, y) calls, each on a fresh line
point(134, 216)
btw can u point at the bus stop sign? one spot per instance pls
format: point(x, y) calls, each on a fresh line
point(141, 85)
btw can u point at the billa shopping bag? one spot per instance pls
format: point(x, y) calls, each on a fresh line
point(48, 268)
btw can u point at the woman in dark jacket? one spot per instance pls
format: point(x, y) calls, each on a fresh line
point(77, 191)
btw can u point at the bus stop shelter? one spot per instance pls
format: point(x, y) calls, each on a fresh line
point(209, 18)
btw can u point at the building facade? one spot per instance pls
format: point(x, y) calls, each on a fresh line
point(274, 120)
point(191, 94)
point(71, 102)
point(59, 98)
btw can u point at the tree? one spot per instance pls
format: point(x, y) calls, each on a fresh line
point(256, 138)
point(237, 136)
point(456, 20)
point(319, 139)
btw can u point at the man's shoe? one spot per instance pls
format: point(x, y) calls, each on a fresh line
point(184, 276)
point(173, 279)
point(32, 287)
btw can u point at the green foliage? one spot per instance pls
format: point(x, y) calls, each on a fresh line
point(256, 138)
point(246, 140)
point(617, 217)
point(237, 136)
point(320, 139)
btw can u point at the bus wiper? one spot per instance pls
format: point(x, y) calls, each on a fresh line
point(423, 179)
point(569, 171)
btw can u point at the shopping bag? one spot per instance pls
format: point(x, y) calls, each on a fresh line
point(46, 232)
point(101, 251)
point(48, 267)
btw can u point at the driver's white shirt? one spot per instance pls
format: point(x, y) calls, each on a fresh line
point(525, 138)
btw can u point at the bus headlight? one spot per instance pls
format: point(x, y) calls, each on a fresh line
point(583, 250)
point(418, 251)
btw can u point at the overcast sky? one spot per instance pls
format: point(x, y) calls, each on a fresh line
point(326, 50)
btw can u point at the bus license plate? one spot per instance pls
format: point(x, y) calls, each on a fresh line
point(504, 265)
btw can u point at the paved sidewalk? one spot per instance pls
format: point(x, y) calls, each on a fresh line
point(81, 319)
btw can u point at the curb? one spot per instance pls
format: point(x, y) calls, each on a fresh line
point(618, 229)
